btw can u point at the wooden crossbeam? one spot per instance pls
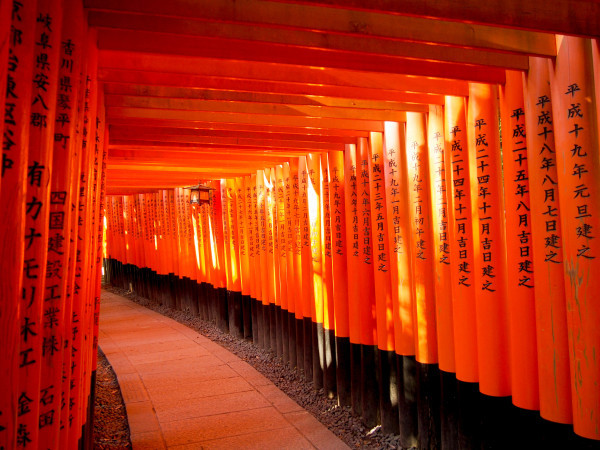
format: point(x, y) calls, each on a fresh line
point(296, 39)
point(222, 95)
point(192, 126)
point(193, 149)
point(342, 21)
point(206, 142)
point(577, 18)
point(179, 104)
point(118, 112)
point(142, 154)
point(120, 131)
point(231, 142)
point(242, 50)
point(147, 64)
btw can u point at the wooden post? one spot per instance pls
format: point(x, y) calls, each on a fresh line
point(39, 173)
point(462, 271)
point(423, 286)
point(340, 275)
point(547, 248)
point(66, 166)
point(307, 269)
point(575, 110)
point(388, 390)
point(402, 293)
point(329, 356)
point(366, 291)
point(314, 195)
point(490, 263)
point(17, 107)
point(519, 260)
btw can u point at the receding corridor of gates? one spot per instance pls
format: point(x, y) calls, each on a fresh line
point(399, 199)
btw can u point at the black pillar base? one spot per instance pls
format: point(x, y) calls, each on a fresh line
point(247, 316)
point(449, 410)
point(343, 370)
point(388, 392)
point(285, 335)
point(330, 358)
point(428, 402)
point(318, 356)
point(299, 344)
point(369, 387)
point(308, 350)
point(234, 302)
point(272, 312)
point(223, 313)
point(355, 378)
point(292, 344)
point(407, 400)
point(255, 321)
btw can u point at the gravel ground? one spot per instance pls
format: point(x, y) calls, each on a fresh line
point(339, 420)
point(111, 430)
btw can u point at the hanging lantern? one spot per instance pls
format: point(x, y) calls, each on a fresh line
point(200, 194)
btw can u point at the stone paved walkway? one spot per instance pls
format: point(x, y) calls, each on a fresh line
point(183, 391)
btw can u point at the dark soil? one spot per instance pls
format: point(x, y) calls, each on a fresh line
point(111, 430)
point(338, 419)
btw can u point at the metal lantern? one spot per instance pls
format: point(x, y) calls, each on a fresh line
point(200, 194)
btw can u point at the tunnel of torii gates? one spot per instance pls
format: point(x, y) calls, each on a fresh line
point(405, 203)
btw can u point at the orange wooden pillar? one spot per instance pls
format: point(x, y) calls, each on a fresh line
point(300, 288)
point(208, 255)
point(314, 197)
point(290, 280)
point(329, 356)
point(66, 169)
point(366, 290)
point(6, 7)
point(462, 247)
point(428, 391)
point(272, 262)
point(353, 261)
point(462, 269)
point(39, 173)
point(256, 266)
point(82, 291)
point(490, 267)
point(399, 230)
point(234, 284)
point(282, 258)
point(93, 320)
point(576, 131)
point(442, 216)
point(307, 299)
point(547, 247)
point(249, 204)
point(261, 224)
point(17, 107)
point(339, 281)
point(220, 250)
point(243, 238)
point(490, 263)
point(519, 260)
point(387, 369)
